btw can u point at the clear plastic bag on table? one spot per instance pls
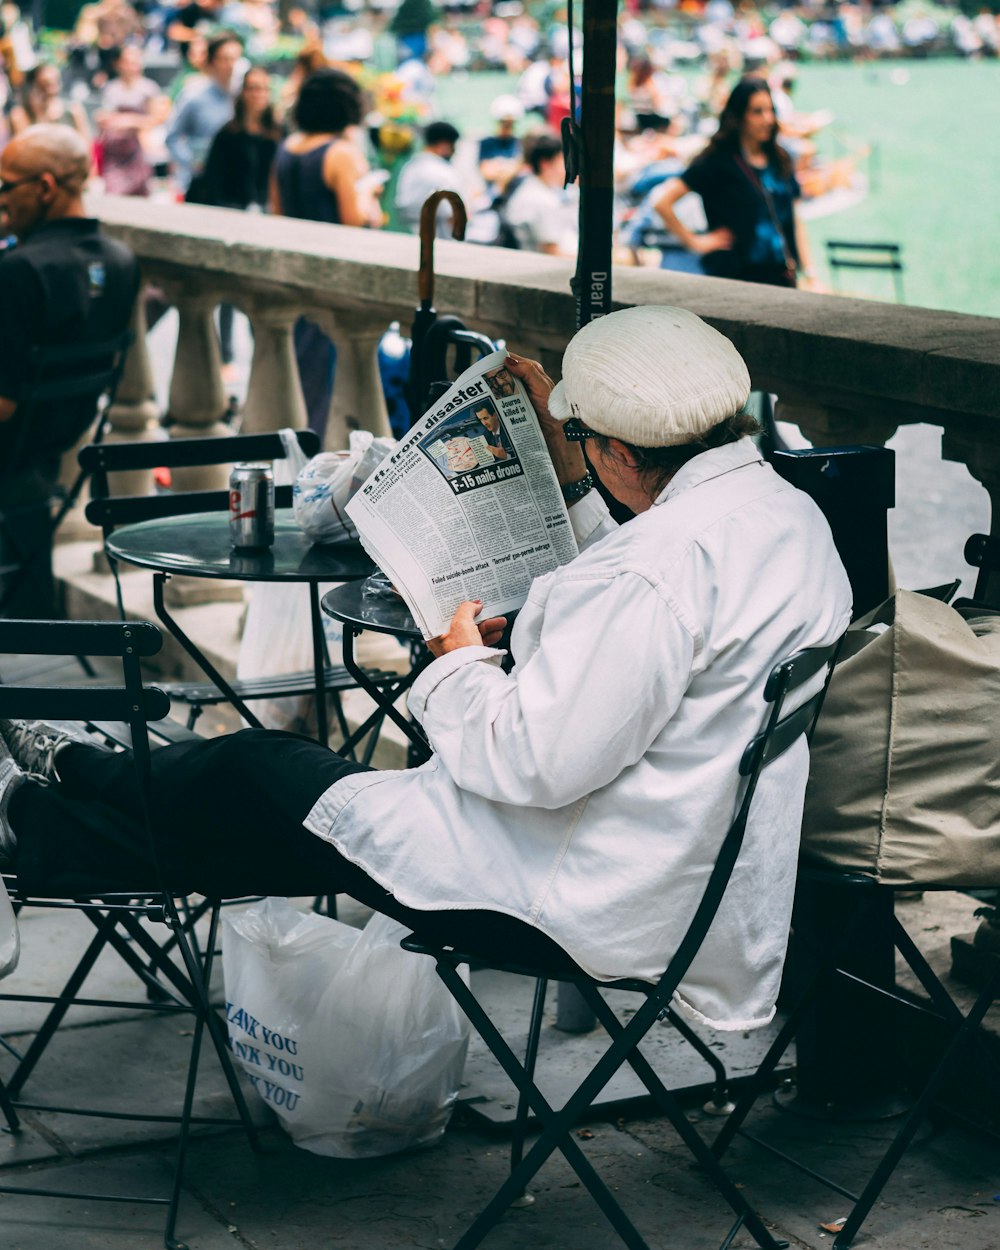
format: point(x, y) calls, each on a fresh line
point(10, 940)
point(277, 631)
point(354, 1043)
point(327, 483)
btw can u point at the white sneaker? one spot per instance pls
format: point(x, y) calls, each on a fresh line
point(11, 776)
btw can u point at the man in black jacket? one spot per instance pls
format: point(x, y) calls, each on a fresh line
point(64, 283)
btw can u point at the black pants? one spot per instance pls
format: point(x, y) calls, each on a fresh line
point(227, 819)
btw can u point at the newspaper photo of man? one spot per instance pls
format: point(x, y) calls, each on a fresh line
point(471, 439)
point(495, 435)
point(501, 382)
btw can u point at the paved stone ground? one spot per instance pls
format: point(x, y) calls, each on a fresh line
point(945, 1194)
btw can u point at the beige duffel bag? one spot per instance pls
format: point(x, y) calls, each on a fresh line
point(904, 782)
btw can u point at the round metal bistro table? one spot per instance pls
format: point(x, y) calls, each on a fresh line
point(357, 611)
point(198, 545)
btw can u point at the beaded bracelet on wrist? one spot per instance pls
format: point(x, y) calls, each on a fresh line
point(572, 491)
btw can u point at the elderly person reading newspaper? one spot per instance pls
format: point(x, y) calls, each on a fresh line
point(574, 806)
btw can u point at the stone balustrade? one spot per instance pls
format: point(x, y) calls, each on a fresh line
point(845, 370)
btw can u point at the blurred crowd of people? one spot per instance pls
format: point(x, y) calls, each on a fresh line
point(343, 136)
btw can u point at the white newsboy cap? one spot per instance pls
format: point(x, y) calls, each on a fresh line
point(651, 376)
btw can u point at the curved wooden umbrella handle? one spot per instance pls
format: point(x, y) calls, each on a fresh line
point(428, 224)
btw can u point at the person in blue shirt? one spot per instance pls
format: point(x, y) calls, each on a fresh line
point(202, 114)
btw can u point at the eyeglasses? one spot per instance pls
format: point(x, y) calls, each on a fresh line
point(6, 187)
point(576, 432)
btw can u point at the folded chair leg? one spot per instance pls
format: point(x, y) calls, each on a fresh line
point(215, 1032)
point(105, 927)
point(555, 1135)
point(9, 1113)
point(194, 991)
point(671, 1108)
point(917, 1112)
point(170, 1242)
point(530, 1059)
point(557, 1127)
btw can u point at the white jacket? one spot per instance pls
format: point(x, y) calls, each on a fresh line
point(588, 791)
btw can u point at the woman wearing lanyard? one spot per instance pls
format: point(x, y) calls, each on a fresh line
point(748, 188)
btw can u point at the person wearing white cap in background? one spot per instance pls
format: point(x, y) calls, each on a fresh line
point(574, 805)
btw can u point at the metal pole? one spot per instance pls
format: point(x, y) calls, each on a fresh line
point(595, 147)
point(596, 138)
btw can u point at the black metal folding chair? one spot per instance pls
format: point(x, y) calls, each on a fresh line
point(109, 511)
point(119, 919)
point(852, 254)
point(779, 732)
point(871, 921)
point(85, 379)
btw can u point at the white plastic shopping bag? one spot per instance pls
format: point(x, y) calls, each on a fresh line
point(10, 939)
point(353, 1042)
point(328, 482)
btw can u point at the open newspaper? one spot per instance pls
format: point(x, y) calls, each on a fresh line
point(468, 505)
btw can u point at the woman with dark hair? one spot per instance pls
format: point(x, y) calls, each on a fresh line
point(748, 187)
point(42, 101)
point(238, 170)
point(238, 167)
point(317, 176)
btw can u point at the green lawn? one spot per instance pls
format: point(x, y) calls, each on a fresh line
point(934, 127)
point(936, 176)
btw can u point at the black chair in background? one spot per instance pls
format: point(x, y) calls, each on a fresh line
point(72, 389)
point(109, 511)
point(121, 920)
point(983, 552)
point(850, 254)
point(779, 732)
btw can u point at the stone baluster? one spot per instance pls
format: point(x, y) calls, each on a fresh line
point(980, 453)
point(274, 394)
point(358, 402)
point(197, 400)
point(134, 415)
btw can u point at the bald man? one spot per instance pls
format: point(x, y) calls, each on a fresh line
point(64, 283)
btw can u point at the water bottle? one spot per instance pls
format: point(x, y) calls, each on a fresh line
point(394, 368)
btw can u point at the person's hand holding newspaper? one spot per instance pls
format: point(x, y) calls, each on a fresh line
point(467, 510)
point(466, 631)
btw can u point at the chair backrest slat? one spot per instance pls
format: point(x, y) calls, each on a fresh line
point(128, 509)
point(121, 638)
point(785, 732)
point(178, 453)
point(81, 703)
